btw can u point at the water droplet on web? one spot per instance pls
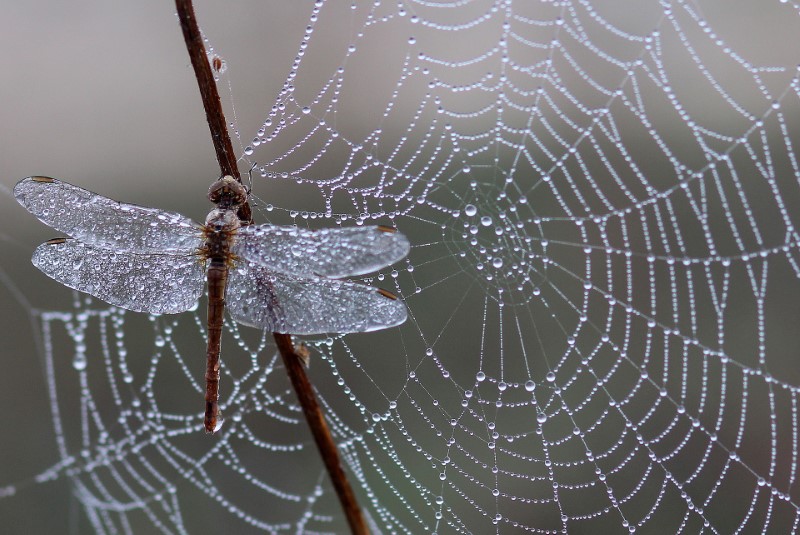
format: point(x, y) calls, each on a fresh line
point(530, 386)
point(470, 210)
point(79, 362)
point(486, 221)
point(541, 417)
point(306, 110)
point(497, 262)
point(480, 377)
point(249, 150)
point(550, 377)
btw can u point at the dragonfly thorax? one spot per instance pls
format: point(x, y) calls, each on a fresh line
point(219, 220)
point(219, 229)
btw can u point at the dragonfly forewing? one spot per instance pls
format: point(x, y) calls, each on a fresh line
point(106, 223)
point(296, 305)
point(330, 252)
point(154, 283)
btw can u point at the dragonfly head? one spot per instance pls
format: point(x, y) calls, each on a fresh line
point(227, 192)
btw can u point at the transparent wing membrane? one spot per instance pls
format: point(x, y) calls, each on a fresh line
point(280, 303)
point(331, 252)
point(158, 284)
point(103, 222)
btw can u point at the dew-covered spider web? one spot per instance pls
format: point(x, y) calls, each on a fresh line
point(602, 200)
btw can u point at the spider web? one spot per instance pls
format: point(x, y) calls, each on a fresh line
point(602, 288)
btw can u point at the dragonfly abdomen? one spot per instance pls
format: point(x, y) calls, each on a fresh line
point(217, 274)
point(220, 228)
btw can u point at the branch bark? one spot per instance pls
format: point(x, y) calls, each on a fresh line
point(208, 89)
point(293, 361)
point(322, 435)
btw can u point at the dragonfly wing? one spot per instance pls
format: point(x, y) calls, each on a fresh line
point(105, 223)
point(293, 305)
point(155, 283)
point(331, 252)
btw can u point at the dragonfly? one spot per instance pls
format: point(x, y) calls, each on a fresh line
point(283, 279)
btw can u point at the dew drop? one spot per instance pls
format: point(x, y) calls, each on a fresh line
point(79, 362)
point(470, 210)
point(486, 221)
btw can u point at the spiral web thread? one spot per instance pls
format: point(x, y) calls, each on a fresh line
point(602, 287)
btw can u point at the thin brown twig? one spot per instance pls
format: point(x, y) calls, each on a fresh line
point(208, 90)
point(293, 361)
point(322, 435)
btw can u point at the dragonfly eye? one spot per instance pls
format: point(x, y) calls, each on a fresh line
point(227, 191)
